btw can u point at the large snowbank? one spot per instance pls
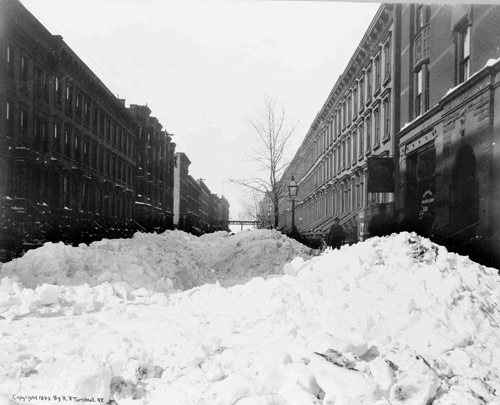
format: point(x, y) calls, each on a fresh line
point(172, 261)
point(394, 320)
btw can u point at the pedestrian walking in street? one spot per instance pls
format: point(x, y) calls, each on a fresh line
point(336, 235)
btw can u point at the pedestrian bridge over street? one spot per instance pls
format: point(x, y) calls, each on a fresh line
point(244, 222)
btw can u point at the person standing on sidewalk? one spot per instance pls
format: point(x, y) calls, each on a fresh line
point(336, 235)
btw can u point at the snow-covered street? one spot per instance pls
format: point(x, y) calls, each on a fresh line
point(250, 318)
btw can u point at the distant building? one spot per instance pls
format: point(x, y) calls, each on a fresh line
point(265, 213)
point(223, 213)
point(196, 209)
point(205, 218)
point(181, 179)
point(155, 175)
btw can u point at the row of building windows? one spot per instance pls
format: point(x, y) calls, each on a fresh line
point(75, 146)
point(421, 75)
point(63, 191)
point(73, 99)
point(372, 129)
point(347, 196)
point(367, 86)
point(41, 139)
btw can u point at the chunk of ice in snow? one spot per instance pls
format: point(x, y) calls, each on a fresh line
point(293, 267)
point(47, 294)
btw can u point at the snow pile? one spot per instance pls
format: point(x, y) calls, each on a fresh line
point(394, 320)
point(172, 261)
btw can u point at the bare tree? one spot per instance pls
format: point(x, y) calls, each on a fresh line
point(273, 134)
point(250, 205)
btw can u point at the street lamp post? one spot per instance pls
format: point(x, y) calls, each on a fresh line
point(292, 191)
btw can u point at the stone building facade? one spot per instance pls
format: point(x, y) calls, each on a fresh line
point(355, 123)
point(441, 129)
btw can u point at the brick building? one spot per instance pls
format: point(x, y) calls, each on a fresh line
point(155, 172)
point(196, 209)
point(422, 90)
point(67, 144)
point(76, 165)
point(449, 148)
point(205, 219)
point(223, 213)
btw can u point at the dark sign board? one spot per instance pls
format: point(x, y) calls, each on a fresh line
point(380, 174)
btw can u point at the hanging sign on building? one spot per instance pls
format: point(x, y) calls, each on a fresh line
point(380, 174)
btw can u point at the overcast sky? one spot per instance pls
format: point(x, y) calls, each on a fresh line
point(205, 67)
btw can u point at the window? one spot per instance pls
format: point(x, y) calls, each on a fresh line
point(376, 119)
point(108, 129)
point(387, 118)
point(95, 115)
point(421, 16)
point(418, 92)
point(86, 112)
point(368, 83)
point(67, 142)
point(343, 114)
point(355, 101)
point(23, 119)
point(41, 138)
point(353, 194)
point(421, 86)
point(349, 155)
point(361, 136)
point(348, 102)
point(335, 162)
point(94, 155)
point(57, 138)
point(387, 59)
point(9, 120)
point(57, 91)
point(84, 197)
point(77, 148)
point(38, 82)
point(24, 73)
point(358, 191)
point(361, 92)
point(78, 106)
point(368, 134)
point(376, 67)
point(101, 124)
point(69, 98)
point(66, 192)
point(343, 154)
point(463, 55)
point(9, 59)
point(354, 147)
point(102, 160)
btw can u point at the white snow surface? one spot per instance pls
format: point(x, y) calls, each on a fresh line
point(393, 320)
